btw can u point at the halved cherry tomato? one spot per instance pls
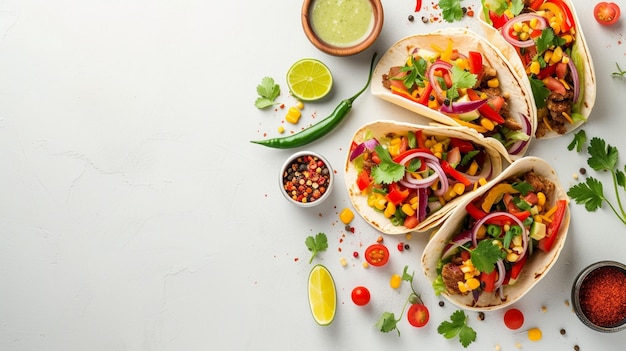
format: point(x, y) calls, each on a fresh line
point(606, 13)
point(377, 255)
point(418, 315)
point(411, 221)
point(513, 318)
point(360, 296)
point(552, 231)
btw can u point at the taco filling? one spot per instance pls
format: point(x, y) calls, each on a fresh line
point(409, 176)
point(462, 86)
point(544, 35)
point(499, 234)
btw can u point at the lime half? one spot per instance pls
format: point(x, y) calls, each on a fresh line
point(322, 295)
point(309, 79)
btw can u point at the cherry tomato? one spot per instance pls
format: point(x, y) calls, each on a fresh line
point(418, 315)
point(513, 318)
point(606, 13)
point(377, 255)
point(360, 296)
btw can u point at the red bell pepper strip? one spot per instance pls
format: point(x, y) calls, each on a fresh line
point(422, 99)
point(463, 145)
point(363, 180)
point(497, 20)
point(409, 152)
point(516, 268)
point(420, 138)
point(418, 5)
point(552, 231)
point(447, 167)
point(501, 220)
point(535, 4)
point(396, 195)
point(476, 212)
point(486, 110)
point(546, 72)
point(475, 59)
point(488, 280)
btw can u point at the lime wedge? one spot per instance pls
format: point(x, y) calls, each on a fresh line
point(322, 295)
point(309, 79)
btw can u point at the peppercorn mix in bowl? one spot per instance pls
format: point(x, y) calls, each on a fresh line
point(403, 177)
point(502, 240)
point(599, 296)
point(306, 179)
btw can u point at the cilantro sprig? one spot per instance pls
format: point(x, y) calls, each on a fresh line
point(387, 171)
point(451, 10)
point(388, 321)
point(457, 326)
point(602, 158)
point(268, 92)
point(485, 255)
point(620, 72)
point(316, 244)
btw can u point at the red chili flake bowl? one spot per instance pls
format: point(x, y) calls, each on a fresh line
point(599, 296)
point(306, 179)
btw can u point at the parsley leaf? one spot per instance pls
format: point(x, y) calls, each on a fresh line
point(387, 171)
point(457, 326)
point(578, 142)
point(485, 255)
point(540, 92)
point(603, 157)
point(416, 73)
point(523, 187)
point(548, 39)
point(268, 92)
point(589, 193)
point(451, 10)
point(316, 244)
point(461, 79)
point(388, 322)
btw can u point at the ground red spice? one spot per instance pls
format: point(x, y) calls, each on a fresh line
point(603, 296)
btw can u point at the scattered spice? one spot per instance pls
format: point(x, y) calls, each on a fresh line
point(441, 303)
point(582, 170)
point(306, 179)
point(481, 316)
point(411, 18)
point(406, 246)
point(576, 348)
point(602, 296)
point(562, 331)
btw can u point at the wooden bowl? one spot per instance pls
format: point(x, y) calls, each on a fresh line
point(335, 49)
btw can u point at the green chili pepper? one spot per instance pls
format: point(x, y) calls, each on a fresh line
point(319, 129)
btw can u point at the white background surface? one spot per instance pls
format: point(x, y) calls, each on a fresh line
point(135, 214)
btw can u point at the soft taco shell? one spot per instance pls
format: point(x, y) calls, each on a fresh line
point(537, 265)
point(379, 129)
point(520, 102)
point(581, 52)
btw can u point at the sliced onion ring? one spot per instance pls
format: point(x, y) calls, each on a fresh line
point(519, 145)
point(433, 80)
point(491, 215)
point(525, 17)
point(462, 107)
point(575, 78)
point(366, 145)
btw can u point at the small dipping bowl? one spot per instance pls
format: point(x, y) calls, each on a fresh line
point(342, 28)
point(306, 179)
point(599, 296)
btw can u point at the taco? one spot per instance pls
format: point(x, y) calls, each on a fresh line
point(455, 77)
point(501, 240)
point(544, 38)
point(403, 177)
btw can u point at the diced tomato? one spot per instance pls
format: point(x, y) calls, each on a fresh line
point(561, 70)
point(531, 198)
point(420, 137)
point(454, 156)
point(554, 85)
point(486, 110)
point(475, 59)
point(552, 231)
point(488, 280)
point(463, 145)
point(411, 221)
point(497, 20)
point(497, 102)
point(363, 180)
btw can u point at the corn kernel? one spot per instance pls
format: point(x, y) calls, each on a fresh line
point(281, 129)
point(533, 23)
point(394, 149)
point(556, 27)
point(482, 181)
point(493, 83)
point(512, 257)
point(366, 265)
point(408, 210)
point(534, 334)
point(480, 233)
point(390, 210)
point(517, 240)
point(414, 200)
point(462, 287)
point(371, 199)
point(557, 55)
point(487, 124)
point(473, 283)
point(568, 38)
point(293, 115)
point(437, 147)
point(459, 188)
point(395, 281)
point(346, 215)
point(300, 105)
point(523, 36)
point(343, 261)
point(547, 55)
point(408, 236)
point(534, 68)
point(381, 203)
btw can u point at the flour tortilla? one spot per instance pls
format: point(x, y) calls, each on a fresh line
point(587, 79)
point(521, 104)
point(537, 265)
point(381, 128)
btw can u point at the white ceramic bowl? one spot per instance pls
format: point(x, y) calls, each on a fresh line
point(312, 171)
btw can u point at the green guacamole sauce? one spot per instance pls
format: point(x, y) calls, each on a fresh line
point(342, 23)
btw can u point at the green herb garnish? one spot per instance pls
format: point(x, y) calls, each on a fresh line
point(268, 92)
point(485, 256)
point(387, 171)
point(620, 72)
point(451, 10)
point(316, 244)
point(457, 326)
point(602, 158)
point(388, 321)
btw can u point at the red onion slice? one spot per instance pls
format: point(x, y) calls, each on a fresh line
point(508, 215)
point(575, 78)
point(525, 17)
point(462, 107)
point(433, 79)
point(519, 145)
point(443, 179)
point(501, 274)
point(459, 240)
point(366, 145)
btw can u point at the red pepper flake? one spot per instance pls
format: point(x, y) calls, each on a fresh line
point(603, 297)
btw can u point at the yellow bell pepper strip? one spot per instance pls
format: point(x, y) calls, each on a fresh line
point(496, 193)
point(568, 18)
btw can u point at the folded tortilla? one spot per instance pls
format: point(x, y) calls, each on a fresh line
point(380, 129)
point(538, 264)
point(581, 57)
point(520, 103)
